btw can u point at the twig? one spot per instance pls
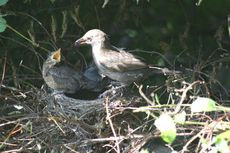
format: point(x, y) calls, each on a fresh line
point(8, 144)
point(53, 119)
point(24, 37)
point(14, 150)
point(39, 23)
point(183, 97)
point(72, 150)
point(111, 124)
point(130, 137)
point(4, 69)
point(10, 134)
point(190, 141)
point(144, 96)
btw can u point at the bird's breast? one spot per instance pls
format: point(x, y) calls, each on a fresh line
point(98, 56)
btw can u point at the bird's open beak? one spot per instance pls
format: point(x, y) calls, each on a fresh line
point(79, 42)
point(57, 55)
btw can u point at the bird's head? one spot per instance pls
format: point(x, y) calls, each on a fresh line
point(92, 37)
point(54, 57)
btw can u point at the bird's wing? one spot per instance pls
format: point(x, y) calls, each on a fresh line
point(121, 61)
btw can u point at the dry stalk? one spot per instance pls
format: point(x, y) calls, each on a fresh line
point(111, 124)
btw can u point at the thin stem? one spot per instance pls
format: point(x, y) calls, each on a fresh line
point(24, 37)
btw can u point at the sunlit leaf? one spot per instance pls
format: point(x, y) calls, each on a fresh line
point(105, 3)
point(2, 24)
point(180, 118)
point(203, 104)
point(221, 142)
point(3, 2)
point(167, 128)
point(225, 135)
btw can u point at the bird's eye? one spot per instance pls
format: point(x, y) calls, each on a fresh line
point(89, 39)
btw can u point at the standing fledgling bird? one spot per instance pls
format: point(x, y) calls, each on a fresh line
point(60, 77)
point(93, 80)
point(116, 64)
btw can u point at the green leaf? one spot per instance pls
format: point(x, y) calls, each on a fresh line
point(203, 104)
point(223, 147)
point(167, 128)
point(221, 142)
point(168, 136)
point(3, 2)
point(180, 118)
point(2, 24)
point(223, 136)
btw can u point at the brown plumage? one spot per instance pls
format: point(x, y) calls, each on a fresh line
point(117, 64)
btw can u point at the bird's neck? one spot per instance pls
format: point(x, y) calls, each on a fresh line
point(100, 47)
point(99, 50)
point(45, 68)
point(47, 65)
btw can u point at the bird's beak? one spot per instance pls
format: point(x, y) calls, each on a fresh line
point(80, 42)
point(57, 55)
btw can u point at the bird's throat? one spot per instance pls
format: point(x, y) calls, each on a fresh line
point(97, 53)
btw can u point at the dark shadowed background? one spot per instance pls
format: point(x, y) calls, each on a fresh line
point(185, 33)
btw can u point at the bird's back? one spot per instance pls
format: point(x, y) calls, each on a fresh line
point(63, 78)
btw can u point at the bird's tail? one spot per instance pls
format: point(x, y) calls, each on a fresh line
point(164, 71)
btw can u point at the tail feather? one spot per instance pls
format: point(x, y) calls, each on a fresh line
point(164, 71)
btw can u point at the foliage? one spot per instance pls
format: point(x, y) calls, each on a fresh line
point(186, 35)
point(3, 2)
point(167, 128)
point(2, 24)
point(2, 20)
point(203, 104)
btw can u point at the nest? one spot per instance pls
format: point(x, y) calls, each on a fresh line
point(37, 121)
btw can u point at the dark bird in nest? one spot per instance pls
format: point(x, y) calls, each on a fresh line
point(118, 65)
point(59, 76)
point(93, 80)
point(64, 79)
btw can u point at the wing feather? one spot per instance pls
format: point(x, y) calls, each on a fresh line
point(121, 61)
